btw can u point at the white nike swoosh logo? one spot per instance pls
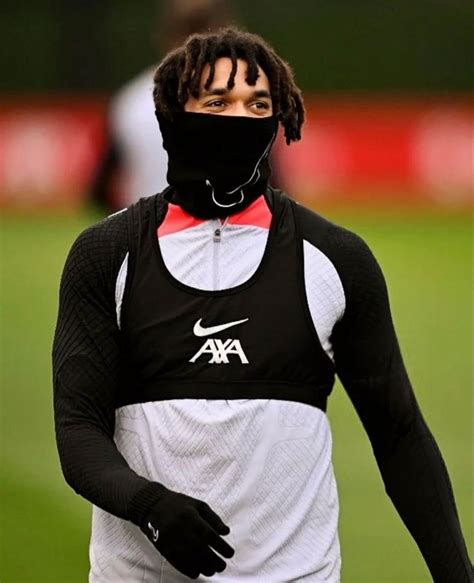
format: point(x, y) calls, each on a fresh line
point(201, 331)
point(155, 532)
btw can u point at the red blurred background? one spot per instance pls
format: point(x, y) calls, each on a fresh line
point(409, 150)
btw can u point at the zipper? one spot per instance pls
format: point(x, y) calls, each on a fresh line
point(217, 238)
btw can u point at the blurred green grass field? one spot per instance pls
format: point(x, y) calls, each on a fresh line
point(426, 257)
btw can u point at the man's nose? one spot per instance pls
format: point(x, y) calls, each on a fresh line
point(238, 109)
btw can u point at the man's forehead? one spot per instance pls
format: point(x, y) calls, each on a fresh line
point(222, 71)
point(226, 62)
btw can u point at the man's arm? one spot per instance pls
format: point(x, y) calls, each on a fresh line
point(85, 369)
point(370, 366)
point(86, 365)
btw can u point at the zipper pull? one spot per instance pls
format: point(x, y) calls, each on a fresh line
point(218, 231)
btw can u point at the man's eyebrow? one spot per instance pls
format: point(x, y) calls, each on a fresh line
point(262, 93)
point(216, 91)
point(223, 91)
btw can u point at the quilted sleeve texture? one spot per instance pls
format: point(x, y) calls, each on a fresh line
point(86, 365)
point(369, 363)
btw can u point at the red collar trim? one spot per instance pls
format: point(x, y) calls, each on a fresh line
point(257, 214)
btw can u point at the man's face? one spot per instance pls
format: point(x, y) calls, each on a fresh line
point(242, 100)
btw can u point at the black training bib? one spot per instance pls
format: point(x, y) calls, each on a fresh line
point(256, 340)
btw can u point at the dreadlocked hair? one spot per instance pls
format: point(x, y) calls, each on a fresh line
point(179, 74)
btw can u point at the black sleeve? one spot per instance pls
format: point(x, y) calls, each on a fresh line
point(86, 356)
point(369, 364)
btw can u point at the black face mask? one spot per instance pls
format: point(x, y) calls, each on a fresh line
point(218, 164)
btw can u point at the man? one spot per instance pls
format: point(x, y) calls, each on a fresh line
point(198, 337)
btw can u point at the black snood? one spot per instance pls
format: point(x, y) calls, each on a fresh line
point(218, 164)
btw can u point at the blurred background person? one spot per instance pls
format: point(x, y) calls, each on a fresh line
point(134, 163)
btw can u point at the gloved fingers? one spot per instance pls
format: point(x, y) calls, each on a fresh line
point(212, 518)
point(203, 532)
point(203, 562)
point(188, 564)
point(211, 563)
point(220, 545)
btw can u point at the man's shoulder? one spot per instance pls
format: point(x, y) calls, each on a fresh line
point(94, 259)
point(326, 234)
point(103, 243)
point(111, 229)
point(347, 251)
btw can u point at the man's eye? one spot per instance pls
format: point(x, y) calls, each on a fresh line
point(261, 105)
point(216, 103)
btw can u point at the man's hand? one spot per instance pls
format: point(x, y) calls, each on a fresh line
point(186, 532)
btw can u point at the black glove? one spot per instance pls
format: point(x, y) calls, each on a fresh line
point(185, 531)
